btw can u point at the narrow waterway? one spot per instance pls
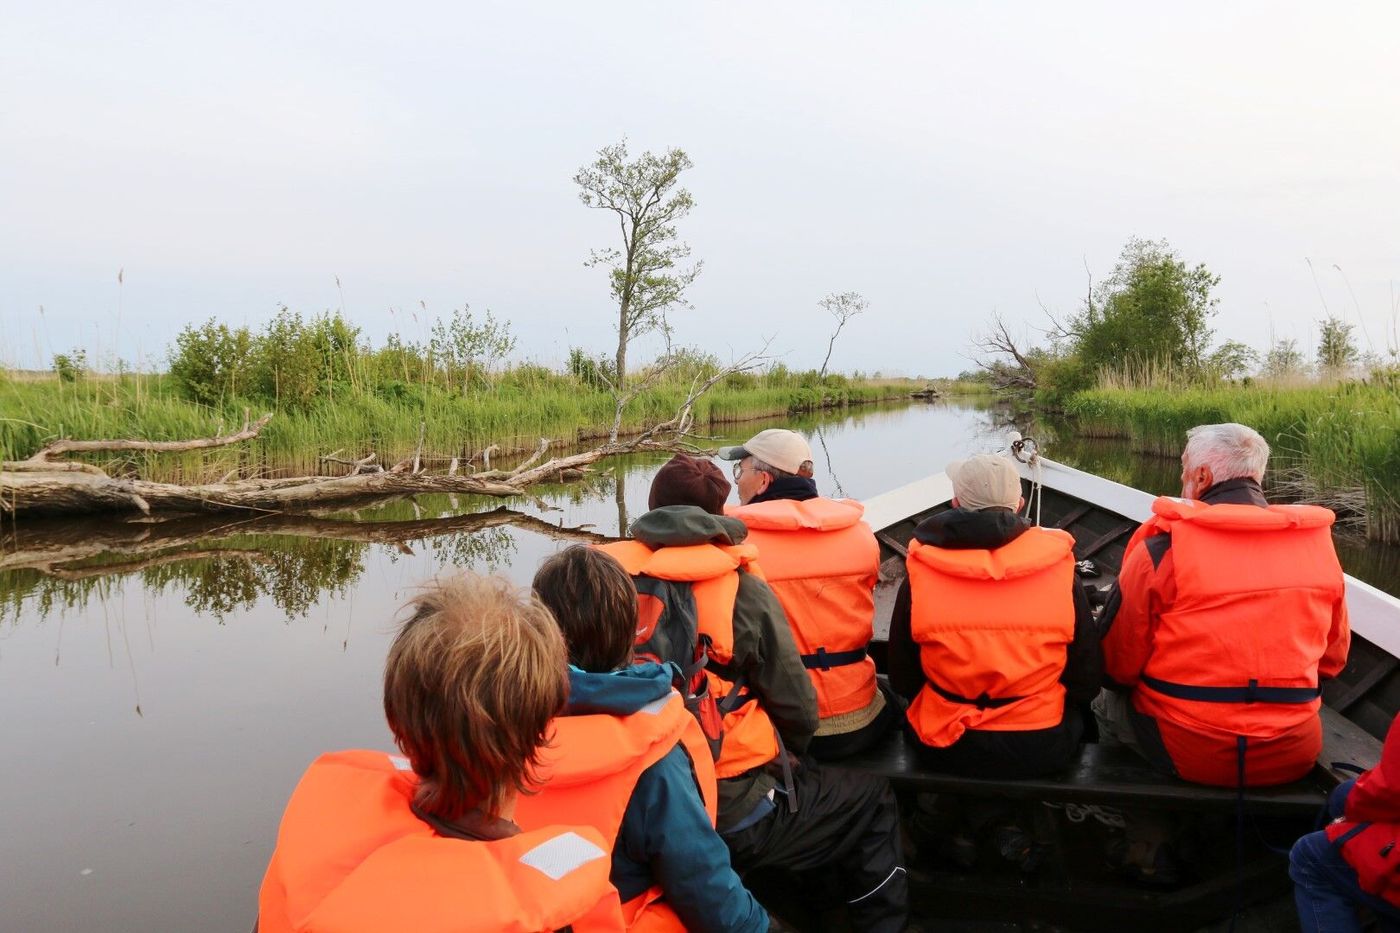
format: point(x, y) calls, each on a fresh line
point(162, 696)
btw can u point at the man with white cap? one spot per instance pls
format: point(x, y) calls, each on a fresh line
point(822, 561)
point(991, 637)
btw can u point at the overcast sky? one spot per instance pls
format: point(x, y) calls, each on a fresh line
point(946, 160)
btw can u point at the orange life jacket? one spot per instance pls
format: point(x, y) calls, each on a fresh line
point(993, 629)
point(352, 857)
point(712, 573)
point(822, 561)
point(590, 768)
point(1234, 660)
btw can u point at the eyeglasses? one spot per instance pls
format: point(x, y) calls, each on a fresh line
point(739, 470)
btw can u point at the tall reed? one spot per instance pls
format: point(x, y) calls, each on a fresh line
point(1343, 438)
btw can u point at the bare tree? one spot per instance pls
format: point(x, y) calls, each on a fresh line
point(842, 306)
point(1002, 357)
point(645, 274)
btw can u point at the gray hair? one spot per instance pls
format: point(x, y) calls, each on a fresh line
point(763, 466)
point(1232, 451)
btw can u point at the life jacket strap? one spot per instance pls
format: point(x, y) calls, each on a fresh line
point(737, 696)
point(984, 701)
point(1253, 693)
point(825, 660)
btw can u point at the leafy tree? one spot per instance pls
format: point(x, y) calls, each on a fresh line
point(1283, 360)
point(289, 361)
point(597, 373)
point(842, 306)
point(461, 344)
point(645, 273)
point(1335, 348)
point(70, 366)
point(1231, 360)
point(1152, 308)
point(211, 363)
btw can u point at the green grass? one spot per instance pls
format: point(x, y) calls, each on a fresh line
point(520, 407)
point(1340, 442)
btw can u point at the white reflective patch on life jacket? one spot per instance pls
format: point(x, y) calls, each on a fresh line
point(400, 762)
point(656, 706)
point(561, 855)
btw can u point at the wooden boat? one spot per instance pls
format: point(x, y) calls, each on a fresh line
point(1077, 888)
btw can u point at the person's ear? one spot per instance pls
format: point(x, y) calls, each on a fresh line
point(954, 503)
point(1020, 504)
point(765, 480)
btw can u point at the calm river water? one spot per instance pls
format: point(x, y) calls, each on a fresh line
point(161, 698)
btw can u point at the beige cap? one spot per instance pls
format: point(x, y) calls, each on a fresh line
point(985, 481)
point(786, 450)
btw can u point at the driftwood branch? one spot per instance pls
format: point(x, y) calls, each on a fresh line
point(362, 465)
point(60, 489)
point(69, 446)
point(40, 466)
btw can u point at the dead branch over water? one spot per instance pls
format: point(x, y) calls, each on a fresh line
point(38, 486)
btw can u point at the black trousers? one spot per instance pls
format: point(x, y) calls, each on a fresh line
point(846, 744)
point(1007, 754)
point(844, 820)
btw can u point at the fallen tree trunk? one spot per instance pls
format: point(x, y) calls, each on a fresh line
point(38, 486)
point(63, 492)
point(65, 445)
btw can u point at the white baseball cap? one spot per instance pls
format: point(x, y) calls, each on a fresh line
point(985, 481)
point(777, 447)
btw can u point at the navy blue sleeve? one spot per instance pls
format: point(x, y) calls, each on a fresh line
point(667, 830)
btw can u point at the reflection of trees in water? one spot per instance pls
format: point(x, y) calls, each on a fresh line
point(223, 567)
point(293, 573)
point(48, 594)
point(488, 550)
point(1110, 457)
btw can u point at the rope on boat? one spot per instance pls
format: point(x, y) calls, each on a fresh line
point(1027, 451)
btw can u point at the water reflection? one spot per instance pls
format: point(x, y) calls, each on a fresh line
point(166, 682)
point(220, 567)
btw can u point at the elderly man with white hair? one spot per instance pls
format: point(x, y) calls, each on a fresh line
point(1228, 615)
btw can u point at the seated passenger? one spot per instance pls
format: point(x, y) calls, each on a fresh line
point(991, 637)
point(1355, 861)
point(774, 810)
point(1227, 616)
point(374, 842)
point(822, 561)
point(630, 760)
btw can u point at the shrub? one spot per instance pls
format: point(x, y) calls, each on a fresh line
point(211, 362)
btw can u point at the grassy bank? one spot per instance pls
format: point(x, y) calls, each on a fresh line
point(517, 408)
point(1338, 444)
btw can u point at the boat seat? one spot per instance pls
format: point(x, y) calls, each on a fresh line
point(1109, 775)
point(1345, 741)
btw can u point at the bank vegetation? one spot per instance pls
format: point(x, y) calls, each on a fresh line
point(332, 391)
point(1138, 360)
